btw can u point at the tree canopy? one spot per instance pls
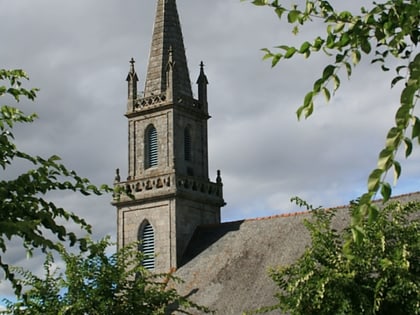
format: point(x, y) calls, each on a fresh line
point(26, 213)
point(372, 267)
point(382, 276)
point(98, 283)
point(388, 33)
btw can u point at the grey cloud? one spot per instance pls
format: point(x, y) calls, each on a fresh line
point(77, 52)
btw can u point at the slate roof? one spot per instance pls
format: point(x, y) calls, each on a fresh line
point(226, 265)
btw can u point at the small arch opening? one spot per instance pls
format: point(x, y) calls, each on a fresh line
point(187, 144)
point(151, 147)
point(147, 245)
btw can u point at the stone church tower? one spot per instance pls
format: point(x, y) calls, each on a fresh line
point(168, 186)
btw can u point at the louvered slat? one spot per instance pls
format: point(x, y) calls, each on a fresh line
point(187, 144)
point(152, 147)
point(148, 246)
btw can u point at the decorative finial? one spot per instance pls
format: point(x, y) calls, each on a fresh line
point(132, 62)
point(202, 78)
point(219, 177)
point(117, 176)
point(202, 88)
point(132, 75)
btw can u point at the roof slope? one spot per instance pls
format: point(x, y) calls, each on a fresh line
point(228, 263)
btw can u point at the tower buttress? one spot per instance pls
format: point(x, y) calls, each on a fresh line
point(168, 191)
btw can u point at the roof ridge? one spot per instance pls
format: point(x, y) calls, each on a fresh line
point(298, 213)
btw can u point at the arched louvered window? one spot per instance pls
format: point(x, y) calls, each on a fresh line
point(151, 147)
point(147, 245)
point(187, 144)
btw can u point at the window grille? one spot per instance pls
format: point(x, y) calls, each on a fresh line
point(187, 144)
point(152, 147)
point(147, 246)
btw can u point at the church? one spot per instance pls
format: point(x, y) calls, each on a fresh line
point(173, 207)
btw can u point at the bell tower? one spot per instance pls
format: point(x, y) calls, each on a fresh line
point(168, 191)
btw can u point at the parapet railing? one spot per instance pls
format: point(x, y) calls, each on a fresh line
point(154, 100)
point(137, 187)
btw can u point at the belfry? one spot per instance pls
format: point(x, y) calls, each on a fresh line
point(168, 191)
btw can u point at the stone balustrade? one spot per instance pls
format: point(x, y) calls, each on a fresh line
point(152, 100)
point(202, 186)
point(143, 103)
point(171, 182)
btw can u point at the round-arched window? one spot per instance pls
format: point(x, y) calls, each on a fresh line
point(151, 150)
point(147, 245)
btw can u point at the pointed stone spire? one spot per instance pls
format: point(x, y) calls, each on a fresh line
point(167, 35)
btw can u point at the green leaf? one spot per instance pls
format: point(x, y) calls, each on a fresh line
point(309, 110)
point(276, 59)
point(260, 2)
point(386, 158)
point(407, 95)
point(279, 11)
point(318, 43)
point(337, 82)
point(348, 69)
point(356, 56)
point(3, 90)
point(299, 112)
point(293, 16)
point(393, 138)
point(327, 94)
point(373, 213)
point(305, 47)
point(365, 45)
point(403, 116)
point(344, 40)
point(378, 60)
point(308, 99)
point(386, 191)
point(396, 80)
point(317, 85)
point(374, 180)
point(290, 52)
point(358, 234)
point(339, 27)
point(415, 133)
point(308, 106)
point(397, 171)
point(384, 68)
point(345, 15)
point(408, 147)
point(399, 68)
point(328, 72)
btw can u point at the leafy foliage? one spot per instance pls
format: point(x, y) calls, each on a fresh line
point(96, 283)
point(382, 277)
point(25, 211)
point(389, 32)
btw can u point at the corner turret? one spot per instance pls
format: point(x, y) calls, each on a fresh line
point(132, 80)
point(202, 83)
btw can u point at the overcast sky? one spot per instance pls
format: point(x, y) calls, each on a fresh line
point(77, 53)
